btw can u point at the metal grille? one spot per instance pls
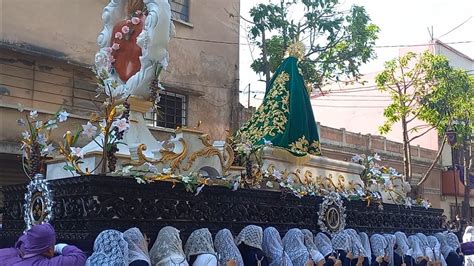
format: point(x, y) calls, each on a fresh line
point(180, 9)
point(171, 111)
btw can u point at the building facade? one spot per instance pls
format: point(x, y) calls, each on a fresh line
point(48, 47)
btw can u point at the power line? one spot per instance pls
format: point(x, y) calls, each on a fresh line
point(415, 45)
point(455, 28)
point(376, 46)
point(355, 100)
point(348, 106)
point(359, 96)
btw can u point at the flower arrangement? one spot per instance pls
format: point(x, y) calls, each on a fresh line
point(105, 128)
point(378, 178)
point(36, 143)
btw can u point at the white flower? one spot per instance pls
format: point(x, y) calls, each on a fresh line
point(426, 204)
point(63, 115)
point(89, 130)
point(277, 174)
point(41, 139)
point(356, 158)
point(47, 150)
point(51, 124)
point(198, 190)
point(269, 184)
point(377, 157)
point(113, 89)
point(236, 184)
point(185, 179)
point(140, 180)
point(38, 124)
point(290, 180)
point(244, 148)
point(408, 203)
point(126, 169)
point(152, 168)
point(121, 124)
point(21, 122)
point(267, 142)
point(102, 60)
point(25, 134)
point(375, 171)
point(77, 151)
point(33, 114)
point(167, 171)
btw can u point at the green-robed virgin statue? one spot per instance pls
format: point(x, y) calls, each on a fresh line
point(285, 117)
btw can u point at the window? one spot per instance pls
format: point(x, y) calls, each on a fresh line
point(171, 111)
point(180, 9)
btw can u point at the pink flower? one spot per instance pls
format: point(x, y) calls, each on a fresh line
point(76, 151)
point(121, 124)
point(125, 29)
point(108, 49)
point(138, 12)
point(135, 20)
point(118, 35)
point(129, 21)
point(111, 59)
point(115, 46)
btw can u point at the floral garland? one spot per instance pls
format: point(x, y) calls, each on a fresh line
point(332, 199)
point(255, 176)
point(38, 185)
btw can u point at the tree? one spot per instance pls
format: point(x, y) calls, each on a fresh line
point(425, 88)
point(338, 42)
point(466, 142)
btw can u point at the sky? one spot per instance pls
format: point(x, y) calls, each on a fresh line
point(401, 22)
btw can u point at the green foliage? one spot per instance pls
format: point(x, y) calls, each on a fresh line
point(338, 42)
point(427, 88)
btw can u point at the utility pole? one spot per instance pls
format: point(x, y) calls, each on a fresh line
point(248, 104)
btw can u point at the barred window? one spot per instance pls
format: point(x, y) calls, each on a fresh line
point(171, 111)
point(180, 9)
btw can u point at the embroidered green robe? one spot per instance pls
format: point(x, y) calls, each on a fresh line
point(285, 117)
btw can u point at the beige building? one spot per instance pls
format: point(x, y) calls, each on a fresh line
point(47, 48)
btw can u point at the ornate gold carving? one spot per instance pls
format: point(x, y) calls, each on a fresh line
point(166, 156)
point(228, 157)
point(206, 152)
point(309, 177)
point(142, 159)
point(340, 183)
point(175, 158)
point(330, 182)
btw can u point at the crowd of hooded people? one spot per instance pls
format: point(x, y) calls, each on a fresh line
point(253, 246)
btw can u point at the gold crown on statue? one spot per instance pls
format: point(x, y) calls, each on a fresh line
point(296, 49)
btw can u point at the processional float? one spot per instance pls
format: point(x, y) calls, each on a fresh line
point(275, 154)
